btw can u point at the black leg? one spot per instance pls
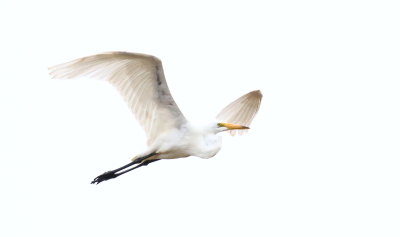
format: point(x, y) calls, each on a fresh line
point(144, 163)
point(115, 173)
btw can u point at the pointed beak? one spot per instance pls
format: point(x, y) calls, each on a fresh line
point(231, 126)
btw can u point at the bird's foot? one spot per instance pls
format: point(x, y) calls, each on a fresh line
point(106, 176)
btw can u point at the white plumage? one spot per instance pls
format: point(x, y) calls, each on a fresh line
point(140, 80)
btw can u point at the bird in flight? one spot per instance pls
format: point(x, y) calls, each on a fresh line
point(140, 80)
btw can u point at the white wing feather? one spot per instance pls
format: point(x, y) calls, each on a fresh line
point(242, 110)
point(140, 79)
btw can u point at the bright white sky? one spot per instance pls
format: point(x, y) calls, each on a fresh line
point(322, 157)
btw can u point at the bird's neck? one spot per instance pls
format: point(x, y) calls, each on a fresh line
point(210, 146)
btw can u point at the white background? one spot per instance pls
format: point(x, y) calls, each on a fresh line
point(321, 159)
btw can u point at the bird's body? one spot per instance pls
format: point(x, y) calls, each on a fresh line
point(188, 140)
point(140, 79)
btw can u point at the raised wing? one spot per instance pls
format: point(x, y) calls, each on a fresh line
point(242, 110)
point(140, 79)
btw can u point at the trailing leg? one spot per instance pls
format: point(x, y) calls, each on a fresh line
point(117, 172)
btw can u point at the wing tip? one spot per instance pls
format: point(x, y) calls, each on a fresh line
point(256, 92)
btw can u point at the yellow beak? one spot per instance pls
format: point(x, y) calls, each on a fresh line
point(231, 126)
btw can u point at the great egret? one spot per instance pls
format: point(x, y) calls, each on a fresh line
point(140, 79)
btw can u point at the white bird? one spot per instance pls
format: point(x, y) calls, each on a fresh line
point(140, 79)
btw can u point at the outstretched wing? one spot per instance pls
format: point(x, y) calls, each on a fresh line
point(242, 110)
point(140, 79)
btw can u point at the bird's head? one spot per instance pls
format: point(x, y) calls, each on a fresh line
point(221, 127)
